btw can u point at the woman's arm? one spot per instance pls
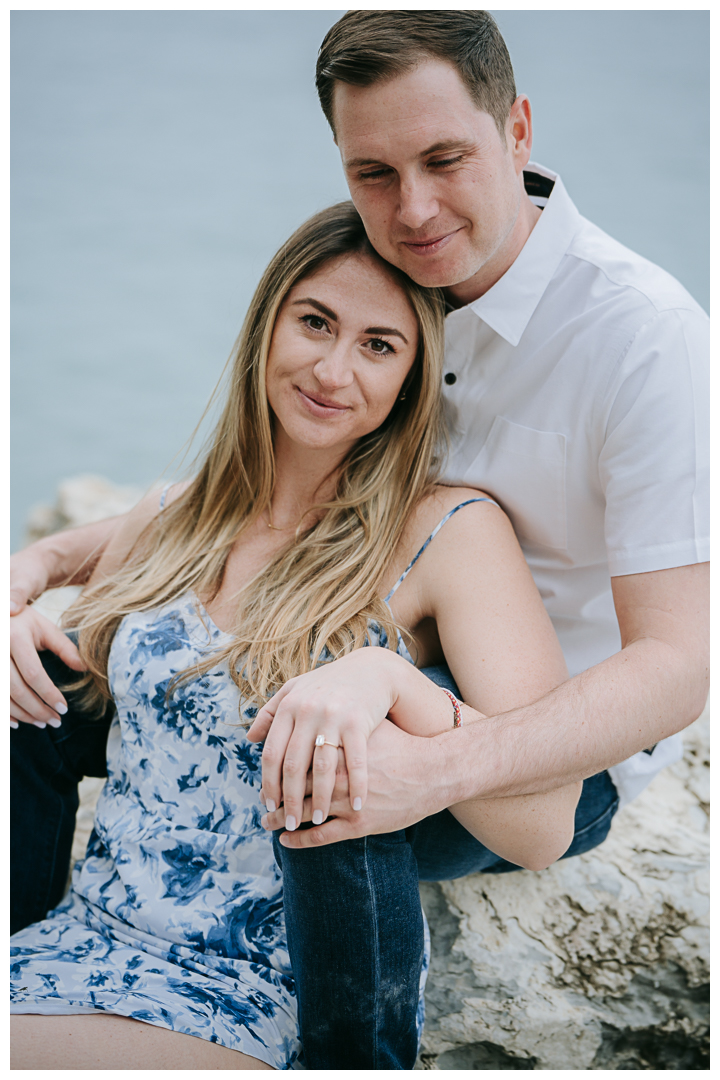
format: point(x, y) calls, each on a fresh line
point(503, 652)
point(73, 557)
point(500, 645)
point(64, 558)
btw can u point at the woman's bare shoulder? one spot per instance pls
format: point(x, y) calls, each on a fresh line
point(441, 499)
point(131, 525)
point(484, 517)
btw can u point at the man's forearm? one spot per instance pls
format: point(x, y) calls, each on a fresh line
point(601, 717)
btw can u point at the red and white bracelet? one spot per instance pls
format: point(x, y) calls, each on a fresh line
point(457, 711)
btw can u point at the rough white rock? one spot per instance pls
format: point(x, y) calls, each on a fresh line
point(81, 500)
point(600, 962)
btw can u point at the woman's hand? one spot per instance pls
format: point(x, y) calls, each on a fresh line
point(29, 577)
point(343, 701)
point(33, 697)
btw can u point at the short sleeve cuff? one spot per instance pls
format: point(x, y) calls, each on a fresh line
point(658, 557)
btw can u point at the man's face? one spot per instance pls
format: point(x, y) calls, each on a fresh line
point(437, 188)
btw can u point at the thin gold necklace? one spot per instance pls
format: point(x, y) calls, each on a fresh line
point(276, 528)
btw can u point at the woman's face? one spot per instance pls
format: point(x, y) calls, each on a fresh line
point(344, 341)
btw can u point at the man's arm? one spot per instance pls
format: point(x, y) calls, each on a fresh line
point(655, 686)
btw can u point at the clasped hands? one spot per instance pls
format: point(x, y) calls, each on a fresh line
point(343, 703)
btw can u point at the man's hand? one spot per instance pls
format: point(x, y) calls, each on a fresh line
point(33, 697)
point(398, 792)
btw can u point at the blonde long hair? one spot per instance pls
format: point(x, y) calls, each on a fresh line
point(314, 599)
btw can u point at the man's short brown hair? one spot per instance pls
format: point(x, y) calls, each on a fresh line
point(364, 47)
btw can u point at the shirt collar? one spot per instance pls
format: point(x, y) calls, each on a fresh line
point(509, 305)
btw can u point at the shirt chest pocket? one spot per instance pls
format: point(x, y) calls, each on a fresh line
point(524, 469)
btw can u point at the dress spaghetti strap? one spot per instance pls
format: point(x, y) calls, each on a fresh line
point(163, 497)
point(432, 536)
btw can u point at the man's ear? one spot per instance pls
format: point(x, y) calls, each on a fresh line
point(519, 132)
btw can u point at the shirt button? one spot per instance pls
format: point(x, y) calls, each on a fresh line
point(451, 378)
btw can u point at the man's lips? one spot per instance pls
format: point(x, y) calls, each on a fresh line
point(430, 246)
point(319, 405)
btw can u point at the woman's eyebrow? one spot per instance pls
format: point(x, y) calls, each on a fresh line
point(387, 330)
point(316, 304)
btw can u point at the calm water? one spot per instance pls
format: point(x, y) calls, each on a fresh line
point(159, 158)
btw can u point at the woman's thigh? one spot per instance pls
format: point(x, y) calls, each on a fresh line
point(104, 1041)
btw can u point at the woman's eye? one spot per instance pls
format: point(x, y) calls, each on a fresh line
point(381, 347)
point(314, 322)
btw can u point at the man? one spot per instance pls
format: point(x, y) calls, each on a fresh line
point(575, 384)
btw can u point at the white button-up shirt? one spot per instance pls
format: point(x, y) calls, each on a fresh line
point(578, 398)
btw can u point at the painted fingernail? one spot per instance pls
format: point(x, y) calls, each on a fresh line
point(39, 723)
point(290, 823)
point(264, 821)
point(271, 807)
point(357, 803)
point(54, 723)
point(318, 817)
point(62, 709)
point(14, 724)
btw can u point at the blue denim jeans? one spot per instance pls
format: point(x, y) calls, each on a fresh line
point(353, 914)
point(355, 928)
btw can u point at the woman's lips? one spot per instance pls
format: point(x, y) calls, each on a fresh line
point(320, 406)
point(431, 246)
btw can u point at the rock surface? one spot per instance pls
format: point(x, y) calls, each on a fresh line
point(81, 500)
point(600, 962)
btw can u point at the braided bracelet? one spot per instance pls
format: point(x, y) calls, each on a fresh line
point(457, 711)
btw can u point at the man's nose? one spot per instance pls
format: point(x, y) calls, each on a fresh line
point(418, 202)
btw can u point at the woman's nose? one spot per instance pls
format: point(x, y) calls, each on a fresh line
point(333, 369)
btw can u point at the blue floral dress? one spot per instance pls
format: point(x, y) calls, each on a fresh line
point(175, 915)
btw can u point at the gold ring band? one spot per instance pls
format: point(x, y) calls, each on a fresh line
point(322, 741)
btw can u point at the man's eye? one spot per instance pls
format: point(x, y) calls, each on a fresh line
point(446, 161)
point(373, 174)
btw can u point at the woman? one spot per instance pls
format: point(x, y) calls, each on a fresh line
point(309, 512)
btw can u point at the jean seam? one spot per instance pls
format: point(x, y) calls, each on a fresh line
point(53, 862)
point(376, 951)
point(610, 810)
